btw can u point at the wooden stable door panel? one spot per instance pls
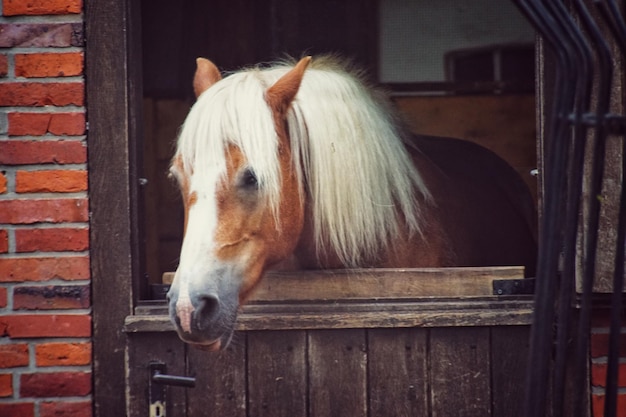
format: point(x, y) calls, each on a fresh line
point(357, 343)
point(376, 372)
point(277, 373)
point(220, 382)
point(509, 353)
point(144, 348)
point(398, 372)
point(460, 372)
point(337, 373)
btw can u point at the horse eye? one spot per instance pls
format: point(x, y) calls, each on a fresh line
point(249, 180)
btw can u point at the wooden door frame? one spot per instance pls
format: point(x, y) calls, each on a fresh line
point(113, 91)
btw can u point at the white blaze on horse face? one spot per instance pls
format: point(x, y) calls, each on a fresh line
point(197, 258)
point(184, 307)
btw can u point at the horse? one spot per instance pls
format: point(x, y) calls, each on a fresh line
point(305, 165)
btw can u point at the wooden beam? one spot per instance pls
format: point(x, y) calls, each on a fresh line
point(344, 314)
point(111, 88)
point(375, 283)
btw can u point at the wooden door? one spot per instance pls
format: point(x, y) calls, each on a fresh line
point(344, 352)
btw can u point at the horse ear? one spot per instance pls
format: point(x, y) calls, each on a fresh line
point(206, 75)
point(281, 94)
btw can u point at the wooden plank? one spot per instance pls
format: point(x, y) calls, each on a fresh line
point(467, 312)
point(337, 373)
point(383, 318)
point(143, 349)
point(509, 362)
point(379, 283)
point(277, 379)
point(510, 131)
point(110, 49)
point(220, 377)
point(413, 313)
point(397, 372)
point(151, 193)
point(220, 381)
point(460, 372)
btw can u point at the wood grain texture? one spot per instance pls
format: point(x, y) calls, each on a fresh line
point(113, 250)
point(464, 371)
point(460, 372)
point(378, 283)
point(509, 363)
point(509, 131)
point(220, 381)
point(489, 311)
point(397, 372)
point(381, 283)
point(356, 356)
point(337, 373)
point(159, 347)
point(277, 374)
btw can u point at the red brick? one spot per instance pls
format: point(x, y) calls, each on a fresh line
point(28, 123)
point(6, 385)
point(58, 297)
point(46, 325)
point(600, 344)
point(3, 297)
point(55, 384)
point(17, 409)
point(4, 241)
point(37, 124)
point(49, 64)
point(41, 7)
point(63, 354)
point(52, 240)
point(598, 374)
point(597, 403)
point(68, 268)
point(3, 183)
point(41, 35)
point(67, 124)
point(4, 65)
point(66, 409)
point(57, 210)
point(17, 152)
point(13, 355)
point(51, 181)
point(42, 94)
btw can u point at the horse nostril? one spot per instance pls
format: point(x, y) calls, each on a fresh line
point(208, 307)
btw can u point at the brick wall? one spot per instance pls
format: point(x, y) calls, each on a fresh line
point(599, 352)
point(45, 322)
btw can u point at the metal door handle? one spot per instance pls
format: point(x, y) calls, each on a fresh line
point(179, 381)
point(157, 390)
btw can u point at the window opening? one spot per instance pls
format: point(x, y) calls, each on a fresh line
point(459, 70)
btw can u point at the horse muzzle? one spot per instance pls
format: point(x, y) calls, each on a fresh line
point(203, 319)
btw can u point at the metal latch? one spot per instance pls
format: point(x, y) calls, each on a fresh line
point(514, 286)
point(157, 392)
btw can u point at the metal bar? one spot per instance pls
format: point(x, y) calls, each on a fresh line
point(582, 74)
point(573, 44)
point(550, 241)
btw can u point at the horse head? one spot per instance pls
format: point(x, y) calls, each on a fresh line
point(234, 228)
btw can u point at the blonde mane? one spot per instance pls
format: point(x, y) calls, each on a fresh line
point(347, 151)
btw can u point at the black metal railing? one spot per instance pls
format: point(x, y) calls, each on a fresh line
point(578, 35)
